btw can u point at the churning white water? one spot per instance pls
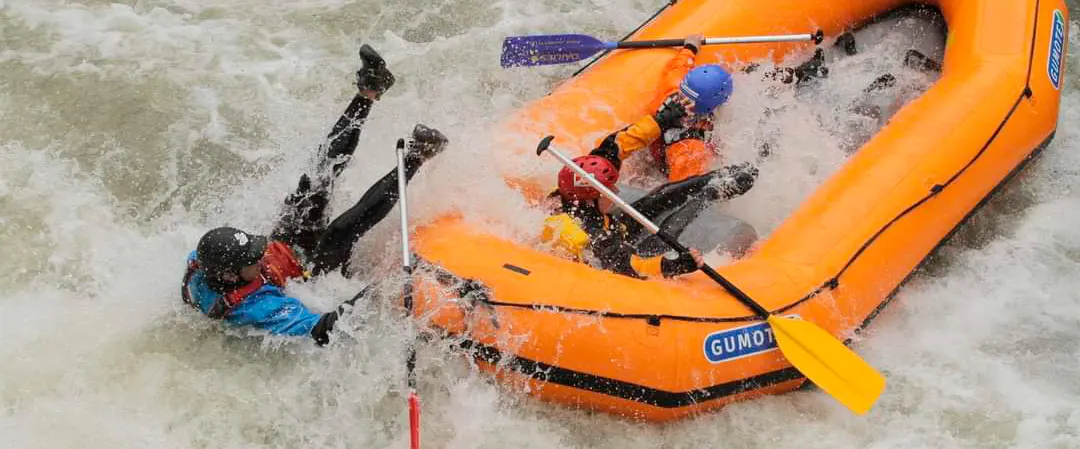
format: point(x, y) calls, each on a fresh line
point(127, 129)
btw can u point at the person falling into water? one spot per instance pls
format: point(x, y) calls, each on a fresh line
point(240, 278)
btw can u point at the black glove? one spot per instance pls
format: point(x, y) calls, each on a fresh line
point(609, 149)
point(683, 264)
point(670, 114)
point(321, 331)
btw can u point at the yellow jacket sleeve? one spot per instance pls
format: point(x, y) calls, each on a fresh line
point(637, 136)
point(644, 131)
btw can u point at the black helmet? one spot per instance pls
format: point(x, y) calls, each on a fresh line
point(229, 250)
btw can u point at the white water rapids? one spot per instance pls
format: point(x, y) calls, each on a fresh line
point(127, 129)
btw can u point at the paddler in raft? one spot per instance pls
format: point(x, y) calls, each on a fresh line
point(582, 226)
point(676, 133)
point(240, 278)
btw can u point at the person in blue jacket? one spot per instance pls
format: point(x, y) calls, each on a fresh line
point(240, 277)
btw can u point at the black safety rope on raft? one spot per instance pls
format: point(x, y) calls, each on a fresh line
point(627, 36)
point(936, 189)
point(474, 292)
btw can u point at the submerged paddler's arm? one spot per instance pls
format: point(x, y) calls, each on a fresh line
point(321, 331)
point(272, 310)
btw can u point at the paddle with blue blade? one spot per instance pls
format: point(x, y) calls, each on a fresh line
point(549, 49)
point(810, 349)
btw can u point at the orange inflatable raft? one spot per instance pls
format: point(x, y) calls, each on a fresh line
point(665, 349)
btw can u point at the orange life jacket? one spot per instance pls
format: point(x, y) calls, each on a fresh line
point(279, 264)
point(683, 153)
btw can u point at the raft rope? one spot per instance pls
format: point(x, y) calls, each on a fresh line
point(938, 188)
point(477, 292)
point(646, 22)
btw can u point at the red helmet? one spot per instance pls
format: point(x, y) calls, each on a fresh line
point(572, 188)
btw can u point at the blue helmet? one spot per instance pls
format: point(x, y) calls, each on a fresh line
point(709, 86)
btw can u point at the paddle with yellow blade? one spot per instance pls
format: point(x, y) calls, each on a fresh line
point(818, 355)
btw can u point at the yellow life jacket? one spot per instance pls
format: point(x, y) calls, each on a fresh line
point(570, 240)
point(566, 235)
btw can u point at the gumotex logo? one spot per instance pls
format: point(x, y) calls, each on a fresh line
point(1057, 48)
point(739, 342)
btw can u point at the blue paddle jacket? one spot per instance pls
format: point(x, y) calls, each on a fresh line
point(267, 308)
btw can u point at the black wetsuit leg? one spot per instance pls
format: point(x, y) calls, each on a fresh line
point(335, 245)
point(686, 198)
point(304, 219)
point(669, 197)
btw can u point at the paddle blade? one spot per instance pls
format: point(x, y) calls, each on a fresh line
point(828, 363)
point(548, 49)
